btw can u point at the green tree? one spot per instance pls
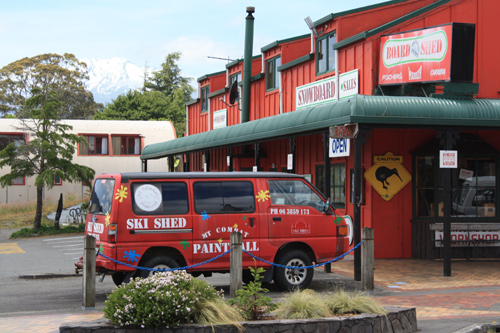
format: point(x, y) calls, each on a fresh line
point(49, 152)
point(163, 97)
point(64, 75)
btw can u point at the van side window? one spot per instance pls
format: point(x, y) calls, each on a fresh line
point(294, 193)
point(168, 198)
point(224, 197)
point(102, 196)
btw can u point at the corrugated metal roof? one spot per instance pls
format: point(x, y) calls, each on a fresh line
point(377, 110)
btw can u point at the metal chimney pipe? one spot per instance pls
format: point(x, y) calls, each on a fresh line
point(247, 65)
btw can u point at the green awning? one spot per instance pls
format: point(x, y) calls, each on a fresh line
point(377, 110)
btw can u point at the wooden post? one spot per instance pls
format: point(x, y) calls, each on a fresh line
point(367, 260)
point(89, 274)
point(236, 268)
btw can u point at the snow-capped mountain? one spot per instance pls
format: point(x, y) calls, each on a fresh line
point(109, 78)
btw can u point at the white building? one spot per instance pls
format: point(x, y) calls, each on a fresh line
point(114, 146)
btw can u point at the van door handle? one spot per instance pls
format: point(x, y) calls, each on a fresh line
point(276, 218)
point(251, 221)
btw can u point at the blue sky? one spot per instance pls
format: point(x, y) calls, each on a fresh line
point(144, 32)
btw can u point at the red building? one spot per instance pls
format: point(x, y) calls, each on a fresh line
point(419, 83)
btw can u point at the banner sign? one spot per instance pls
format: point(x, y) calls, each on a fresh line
point(416, 56)
point(467, 238)
point(324, 91)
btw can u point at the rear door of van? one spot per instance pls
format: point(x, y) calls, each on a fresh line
point(222, 206)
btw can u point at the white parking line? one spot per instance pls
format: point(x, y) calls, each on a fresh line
point(53, 239)
point(66, 245)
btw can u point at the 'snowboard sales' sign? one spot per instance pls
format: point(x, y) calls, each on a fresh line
point(324, 91)
point(416, 56)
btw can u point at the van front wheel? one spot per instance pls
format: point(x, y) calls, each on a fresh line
point(293, 278)
point(161, 262)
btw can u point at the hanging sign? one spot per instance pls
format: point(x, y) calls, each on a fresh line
point(387, 175)
point(339, 147)
point(347, 131)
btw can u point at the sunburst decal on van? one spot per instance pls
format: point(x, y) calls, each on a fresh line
point(263, 196)
point(121, 193)
point(131, 256)
point(220, 240)
point(107, 218)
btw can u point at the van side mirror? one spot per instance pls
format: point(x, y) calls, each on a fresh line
point(327, 206)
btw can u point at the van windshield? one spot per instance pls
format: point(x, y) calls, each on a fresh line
point(102, 196)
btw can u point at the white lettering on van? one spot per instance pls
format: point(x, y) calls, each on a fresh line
point(230, 230)
point(206, 234)
point(95, 227)
point(137, 224)
point(166, 223)
point(222, 247)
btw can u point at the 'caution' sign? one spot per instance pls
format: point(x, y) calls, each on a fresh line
point(387, 175)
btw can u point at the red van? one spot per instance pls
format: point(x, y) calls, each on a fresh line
point(165, 220)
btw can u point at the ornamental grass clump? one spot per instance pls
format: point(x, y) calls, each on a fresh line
point(303, 304)
point(343, 302)
point(163, 300)
point(307, 304)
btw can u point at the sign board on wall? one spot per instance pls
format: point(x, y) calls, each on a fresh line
point(443, 53)
point(388, 175)
point(448, 159)
point(220, 118)
point(324, 91)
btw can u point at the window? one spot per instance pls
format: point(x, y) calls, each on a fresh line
point(337, 183)
point(473, 183)
point(6, 139)
point(126, 145)
point(102, 196)
point(224, 197)
point(236, 78)
point(294, 193)
point(272, 79)
point(325, 57)
point(169, 198)
point(95, 145)
point(57, 181)
point(204, 98)
point(18, 181)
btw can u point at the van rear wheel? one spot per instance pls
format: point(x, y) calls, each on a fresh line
point(161, 262)
point(293, 278)
point(118, 278)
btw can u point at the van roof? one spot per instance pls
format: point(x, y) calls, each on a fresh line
point(184, 175)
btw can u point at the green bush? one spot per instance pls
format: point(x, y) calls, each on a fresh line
point(163, 300)
point(250, 301)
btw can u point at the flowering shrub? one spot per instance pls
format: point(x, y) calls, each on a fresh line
point(162, 300)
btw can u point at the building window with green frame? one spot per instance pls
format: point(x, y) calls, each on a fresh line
point(337, 183)
point(272, 75)
point(325, 54)
point(204, 98)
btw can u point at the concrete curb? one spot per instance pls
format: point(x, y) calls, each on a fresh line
point(477, 328)
point(398, 320)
